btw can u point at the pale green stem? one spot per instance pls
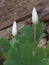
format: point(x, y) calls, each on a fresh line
point(34, 32)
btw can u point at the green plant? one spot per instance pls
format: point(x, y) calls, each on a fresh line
point(23, 50)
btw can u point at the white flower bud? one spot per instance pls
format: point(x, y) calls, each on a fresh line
point(34, 16)
point(14, 29)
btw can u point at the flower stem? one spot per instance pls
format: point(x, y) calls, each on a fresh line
point(34, 32)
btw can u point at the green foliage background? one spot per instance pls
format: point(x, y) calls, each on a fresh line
point(23, 50)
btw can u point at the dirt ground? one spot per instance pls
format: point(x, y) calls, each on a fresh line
point(20, 11)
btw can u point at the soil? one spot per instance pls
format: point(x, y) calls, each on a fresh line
point(1, 59)
point(20, 11)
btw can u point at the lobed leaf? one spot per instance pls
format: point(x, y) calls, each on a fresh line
point(4, 45)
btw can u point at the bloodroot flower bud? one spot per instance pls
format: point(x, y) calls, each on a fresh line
point(34, 16)
point(14, 29)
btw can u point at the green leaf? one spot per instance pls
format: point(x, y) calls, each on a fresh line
point(40, 57)
point(40, 29)
point(14, 41)
point(7, 63)
point(27, 34)
point(41, 62)
point(40, 53)
point(4, 45)
point(21, 55)
point(36, 62)
point(40, 26)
